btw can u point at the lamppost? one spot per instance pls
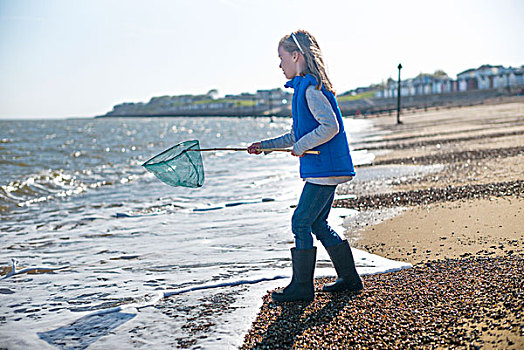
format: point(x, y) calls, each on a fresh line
point(398, 95)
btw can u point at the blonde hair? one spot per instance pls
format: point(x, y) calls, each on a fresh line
point(308, 46)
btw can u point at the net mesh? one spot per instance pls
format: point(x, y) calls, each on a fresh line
point(177, 166)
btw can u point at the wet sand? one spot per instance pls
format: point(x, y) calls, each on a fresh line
point(473, 205)
point(463, 229)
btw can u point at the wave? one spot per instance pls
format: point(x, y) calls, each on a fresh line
point(50, 185)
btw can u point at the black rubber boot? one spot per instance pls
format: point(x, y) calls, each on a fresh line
point(301, 287)
point(348, 278)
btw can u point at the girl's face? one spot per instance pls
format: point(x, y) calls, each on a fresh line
point(289, 62)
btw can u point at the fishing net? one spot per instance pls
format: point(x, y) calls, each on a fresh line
point(178, 166)
point(181, 165)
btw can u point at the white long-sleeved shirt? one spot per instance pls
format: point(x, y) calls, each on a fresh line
point(328, 127)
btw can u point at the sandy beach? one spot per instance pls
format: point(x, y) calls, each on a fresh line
point(461, 228)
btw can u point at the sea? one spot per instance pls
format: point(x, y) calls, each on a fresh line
point(96, 252)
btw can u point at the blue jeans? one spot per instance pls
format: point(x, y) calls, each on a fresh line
point(311, 215)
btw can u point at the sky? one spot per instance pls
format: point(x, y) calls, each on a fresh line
point(79, 58)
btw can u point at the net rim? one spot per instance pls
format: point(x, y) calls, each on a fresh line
point(152, 162)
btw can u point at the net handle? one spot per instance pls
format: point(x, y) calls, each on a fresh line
point(245, 149)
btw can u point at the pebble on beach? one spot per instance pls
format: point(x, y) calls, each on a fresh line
point(456, 303)
point(433, 195)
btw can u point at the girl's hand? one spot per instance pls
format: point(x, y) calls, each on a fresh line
point(296, 155)
point(255, 148)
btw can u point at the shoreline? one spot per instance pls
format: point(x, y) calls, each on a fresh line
point(467, 214)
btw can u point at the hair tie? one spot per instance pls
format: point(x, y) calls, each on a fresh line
point(296, 42)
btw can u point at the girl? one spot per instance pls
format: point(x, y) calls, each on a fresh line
point(317, 125)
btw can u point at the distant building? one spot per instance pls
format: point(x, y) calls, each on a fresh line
point(273, 94)
point(488, 77)
point(511, 77)
point(485, 77)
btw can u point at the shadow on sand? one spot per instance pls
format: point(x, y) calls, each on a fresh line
point(85, 331)
point(294, 321)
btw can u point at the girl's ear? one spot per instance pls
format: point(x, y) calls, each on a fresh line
point(295, 56)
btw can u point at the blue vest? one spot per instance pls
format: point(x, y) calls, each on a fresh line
point(334, 158)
